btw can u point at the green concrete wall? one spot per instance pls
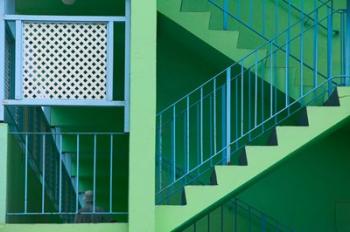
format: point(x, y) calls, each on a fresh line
point(304, 191)
point(142, 116)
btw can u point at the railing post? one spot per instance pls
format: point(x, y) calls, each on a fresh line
point(127, 66)
point(330, 48)
point(315, 52)
point(228, 115)
point(287, 56)
point(226, 9)
point(110, 56)
point(18, 79)
point(347, 44)
point(6, 7)
point(2, 59)
point(3, 171)
point(173, 146)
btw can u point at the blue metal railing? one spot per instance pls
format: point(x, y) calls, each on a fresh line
point(230, 110)
point(234, 215)
point(56, 159)
point(297, 26)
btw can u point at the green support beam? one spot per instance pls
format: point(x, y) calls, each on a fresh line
point(3, 171)
point(142, 116)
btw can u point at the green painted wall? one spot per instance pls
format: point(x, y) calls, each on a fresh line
point(81, 7)
point(303, 191)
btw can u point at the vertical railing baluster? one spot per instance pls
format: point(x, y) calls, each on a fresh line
point(228, 115)
point(302, 51)
point(187, 134)
point(210, 125)
point(43, 175)
point(78, 173)
point(223, 122)
point(347, 45)
point(242, 99)
point(26, 176)
point(160, 152)
point(262, 97)
point(111, 174)
point(214, 115)
point(330, 47)
point(263, 20)
point(315, 52)
point(173, 144)
point(127, 65)
point(225, 14)
point(60, 177)
point(94, 173)
point(256, 91)
point(271, 80)
point(201, 126)
point(287, 56)
point(198, 136)
point(342, 46)
point(249, 105)
point(236, 110)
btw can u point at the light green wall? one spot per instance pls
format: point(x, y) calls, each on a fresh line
point(303, 191)
point(3, 171)
point(142, 120)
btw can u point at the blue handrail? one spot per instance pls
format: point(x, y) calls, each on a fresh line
point(229, 98)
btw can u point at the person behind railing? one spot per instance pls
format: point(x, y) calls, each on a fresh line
point(86, 215)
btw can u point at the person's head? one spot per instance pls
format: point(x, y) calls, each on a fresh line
point(88, 197)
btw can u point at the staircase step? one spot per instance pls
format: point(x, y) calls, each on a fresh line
point(344, 96)
point(197, 23)
point(260, 159)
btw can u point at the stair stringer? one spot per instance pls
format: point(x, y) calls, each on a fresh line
point(261, 159)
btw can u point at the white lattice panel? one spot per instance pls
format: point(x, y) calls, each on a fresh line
point(64, 60)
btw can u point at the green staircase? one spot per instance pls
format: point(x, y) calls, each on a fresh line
point(198, 23)
point(261, 159)
point(204, 20)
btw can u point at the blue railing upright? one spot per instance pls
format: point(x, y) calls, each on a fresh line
point(234, 215)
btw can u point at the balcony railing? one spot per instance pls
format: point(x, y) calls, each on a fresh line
point(57, 169)
point(235, 215)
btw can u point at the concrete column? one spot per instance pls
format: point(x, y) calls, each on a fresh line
point(142, 116)
point(3, 171)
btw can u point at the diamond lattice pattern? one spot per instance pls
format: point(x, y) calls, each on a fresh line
point(64, 60)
